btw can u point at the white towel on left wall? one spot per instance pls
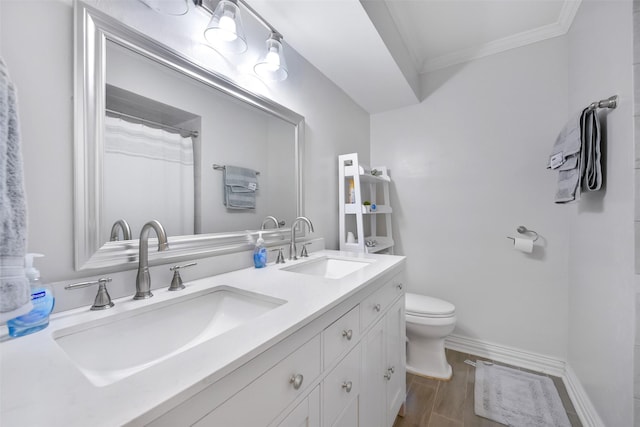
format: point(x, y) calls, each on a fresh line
point(14, 286)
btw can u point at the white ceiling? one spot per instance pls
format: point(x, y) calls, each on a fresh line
point(375, 50)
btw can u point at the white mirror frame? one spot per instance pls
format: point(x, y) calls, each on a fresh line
point(92, 30)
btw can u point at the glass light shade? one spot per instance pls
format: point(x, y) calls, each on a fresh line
point(225, 31)
point(168, 7)
point(272, 64)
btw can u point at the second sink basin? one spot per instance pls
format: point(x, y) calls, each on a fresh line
point(329, 267)
point(111, 349)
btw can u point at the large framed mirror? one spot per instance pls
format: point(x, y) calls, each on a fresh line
point(159, 137)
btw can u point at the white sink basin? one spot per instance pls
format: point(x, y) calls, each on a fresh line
point(329, 267)
point(114, 348)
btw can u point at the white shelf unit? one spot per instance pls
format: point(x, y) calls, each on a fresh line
point(374, 225)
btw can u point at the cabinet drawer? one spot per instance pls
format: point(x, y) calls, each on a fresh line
point(339, 337)
point(262, 400)
point(341, 387)
point(377, 303)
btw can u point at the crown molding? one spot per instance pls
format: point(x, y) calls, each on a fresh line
point(558, 28)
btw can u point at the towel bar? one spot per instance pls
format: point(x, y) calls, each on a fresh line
point(221, 168)
point(611, 102)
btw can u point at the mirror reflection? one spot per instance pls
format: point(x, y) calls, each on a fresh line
point(164, 132)
point(151, 124)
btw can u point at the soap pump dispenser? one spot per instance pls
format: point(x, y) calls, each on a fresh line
point(42, 300)
point(260, 252)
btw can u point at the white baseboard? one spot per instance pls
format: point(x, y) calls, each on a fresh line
point(536, 362)
point(509, 355)
point(587, 413)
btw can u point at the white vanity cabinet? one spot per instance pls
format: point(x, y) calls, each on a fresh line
point(306, 414)
point(343, 369)
point(341, 392)
point(383, 364)
point(263, 399)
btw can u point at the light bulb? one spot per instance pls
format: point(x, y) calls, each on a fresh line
point(228, 26)
point(272, 60)
point(225, 31)
point(272, 65)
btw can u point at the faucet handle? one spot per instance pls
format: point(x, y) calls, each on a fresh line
point(304, 253)
point(280, 258)
point(176, 282)
point(103, 299)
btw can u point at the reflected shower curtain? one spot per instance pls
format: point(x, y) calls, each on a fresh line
point(148, 174)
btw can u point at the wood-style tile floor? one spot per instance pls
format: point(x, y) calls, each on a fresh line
point(432, 403)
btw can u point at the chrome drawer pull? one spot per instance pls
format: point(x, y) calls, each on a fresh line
point(348, 334)
point(347, 385)
point(296, 380)
point(377, 307)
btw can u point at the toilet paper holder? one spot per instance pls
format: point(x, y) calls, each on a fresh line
point(524, 230)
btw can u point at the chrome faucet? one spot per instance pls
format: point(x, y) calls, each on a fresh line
point(123, 225)
point(292, 245)
point(273, 219)
point(143, 280)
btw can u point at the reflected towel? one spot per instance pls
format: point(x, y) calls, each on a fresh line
point(240, 185)
point(14, 286)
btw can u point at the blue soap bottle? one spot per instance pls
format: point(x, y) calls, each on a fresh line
point(42, 300)
point(260, 252)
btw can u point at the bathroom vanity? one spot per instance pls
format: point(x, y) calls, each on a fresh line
point(318, 342)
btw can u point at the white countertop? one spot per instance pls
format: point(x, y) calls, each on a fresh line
point(41, 386)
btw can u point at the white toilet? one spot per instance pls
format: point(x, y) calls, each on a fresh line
point(429, 321)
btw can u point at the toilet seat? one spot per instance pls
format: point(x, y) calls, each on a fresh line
point(425, 306)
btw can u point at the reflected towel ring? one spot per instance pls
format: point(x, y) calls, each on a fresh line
point(523, 230)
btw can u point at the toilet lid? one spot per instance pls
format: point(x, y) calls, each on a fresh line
point(422, 305)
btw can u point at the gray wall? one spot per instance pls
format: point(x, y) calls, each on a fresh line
point(468, 166)
point(42, 69)
point(600, 227)
point(636, 112)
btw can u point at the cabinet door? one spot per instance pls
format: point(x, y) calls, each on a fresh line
point(349, 417)
point(270, 393)
point(373, 399)
point(306, 414)
point(341, 390)
point(396, 359)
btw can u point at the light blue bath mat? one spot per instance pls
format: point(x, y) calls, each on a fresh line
point(517, 398)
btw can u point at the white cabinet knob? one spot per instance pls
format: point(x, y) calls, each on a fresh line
point(296, 381)
point(347, 385)
point(377, 308)
point(400, 286)
point(348, 334)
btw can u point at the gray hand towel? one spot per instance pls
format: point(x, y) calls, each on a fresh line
point(591, 165)
point(566, 158)
point(576, 156)
point(240, 185)
point(14, 286)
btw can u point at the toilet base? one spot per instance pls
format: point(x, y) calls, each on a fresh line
point(445, 375)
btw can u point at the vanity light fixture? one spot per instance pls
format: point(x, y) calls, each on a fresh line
point(168, 7)
point(226, 34)
point(225, 31)
point(272, 65)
